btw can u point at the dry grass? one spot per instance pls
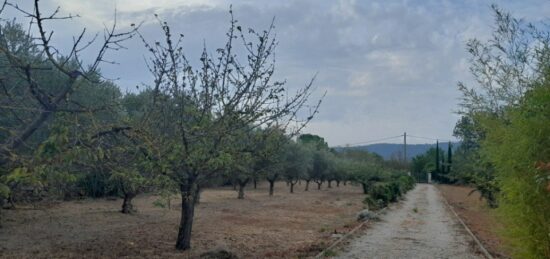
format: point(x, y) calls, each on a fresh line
point(477, 215)
point(285, 225)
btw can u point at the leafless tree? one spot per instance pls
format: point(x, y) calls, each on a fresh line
point(198, 112)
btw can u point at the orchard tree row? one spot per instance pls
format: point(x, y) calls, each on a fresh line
point(66, 131)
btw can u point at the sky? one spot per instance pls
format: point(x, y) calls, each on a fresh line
point(387, 67)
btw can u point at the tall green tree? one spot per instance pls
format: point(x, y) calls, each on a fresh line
point(504, 125)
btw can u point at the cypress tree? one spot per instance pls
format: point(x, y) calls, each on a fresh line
point(443, 164)
point(449, 158)
point(437, 157)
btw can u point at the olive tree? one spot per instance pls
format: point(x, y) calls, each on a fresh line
point(270, 155)
point(320, 167)
point(297, 162)
point(196, 113)
point(366, 174)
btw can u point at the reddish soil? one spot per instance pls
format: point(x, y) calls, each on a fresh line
point(285, 225)
point(481, 219)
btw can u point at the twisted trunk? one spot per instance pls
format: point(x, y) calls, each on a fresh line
point(292, 186)
point(242, 184)
point(127, 206)
point(319, 183)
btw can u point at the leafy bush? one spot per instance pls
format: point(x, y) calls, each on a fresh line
point(517, 148)
point(380, 194)
point(95, 184)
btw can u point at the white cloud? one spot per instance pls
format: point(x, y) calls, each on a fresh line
point(99, 12)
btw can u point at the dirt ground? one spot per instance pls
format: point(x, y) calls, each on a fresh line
point(477, 215)
point(285, 225)
point(420, 226)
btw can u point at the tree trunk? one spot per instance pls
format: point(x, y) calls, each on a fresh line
point(18, 139)
point(319, 185)
point(330, 184)
point(198, 198)
point(299, 182)
point(1, 209)
point(287, 183)
point(337, 183)
point(241, 190)
point(365, 190)
point(255, 183)
point(307, 185)
point(345, 183)
point(271, 185)
point(292, 187)
point(127, 206)
point(188, 199)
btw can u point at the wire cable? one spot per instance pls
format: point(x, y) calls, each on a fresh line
point(369, 141)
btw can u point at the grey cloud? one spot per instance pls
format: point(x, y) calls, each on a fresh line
point(388, 66)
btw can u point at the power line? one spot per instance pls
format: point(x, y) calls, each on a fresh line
point(427, 138)
point(393, 137)
point(370, 141)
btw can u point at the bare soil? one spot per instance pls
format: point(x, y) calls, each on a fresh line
point(283, 226)
point(481, 219)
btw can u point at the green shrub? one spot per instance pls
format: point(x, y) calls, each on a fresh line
point(94, 184)
point(380, 194)
point(406, 183)
point(517, 148)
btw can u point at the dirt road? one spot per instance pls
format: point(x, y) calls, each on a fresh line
point(419, 227)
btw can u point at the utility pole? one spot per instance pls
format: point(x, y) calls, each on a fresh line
point(405, 147)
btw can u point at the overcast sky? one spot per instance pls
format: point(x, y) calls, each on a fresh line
point(387, 66)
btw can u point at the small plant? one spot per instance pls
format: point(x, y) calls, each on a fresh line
point(415, 210)
point(329, 253)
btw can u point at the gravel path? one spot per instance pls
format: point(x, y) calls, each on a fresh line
point(419, 227)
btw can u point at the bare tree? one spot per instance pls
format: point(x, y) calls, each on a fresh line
point(197, 112)
point(38, 78)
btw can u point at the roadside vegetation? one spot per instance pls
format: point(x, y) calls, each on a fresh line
point(504, 128)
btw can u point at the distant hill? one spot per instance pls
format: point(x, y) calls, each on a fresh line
point(387, 150)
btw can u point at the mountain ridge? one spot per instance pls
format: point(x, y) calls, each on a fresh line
point(395, 151)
